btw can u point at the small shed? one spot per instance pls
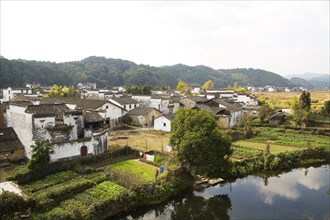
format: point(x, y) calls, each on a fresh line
point(11, 148)
point(144, 116)
point(163, 122)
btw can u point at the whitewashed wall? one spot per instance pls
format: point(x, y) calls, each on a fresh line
point(159, 124)
point(22, 124)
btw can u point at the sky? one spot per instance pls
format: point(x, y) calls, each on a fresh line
point(285, 37)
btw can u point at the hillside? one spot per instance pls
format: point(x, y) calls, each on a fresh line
point(301, 82)
point(319, 81)
point(116, 72)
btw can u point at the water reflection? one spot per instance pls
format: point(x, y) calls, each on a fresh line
point(197, 207)
point(190, 207)
point(286, 185)
point(299, 194)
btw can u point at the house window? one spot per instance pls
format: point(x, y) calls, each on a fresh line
point(164, 124)
point(130, 106)
point(106, 107)
point(83, 151)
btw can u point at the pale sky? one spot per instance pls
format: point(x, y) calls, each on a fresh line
point(285, 37)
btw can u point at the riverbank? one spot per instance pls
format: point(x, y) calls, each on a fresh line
point(84, 192)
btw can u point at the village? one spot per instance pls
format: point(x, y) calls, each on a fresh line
point(82, 126)
point(113, 147)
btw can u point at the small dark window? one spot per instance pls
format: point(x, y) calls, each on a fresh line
point(129, 106)
point(164, 124)
point(83, 151)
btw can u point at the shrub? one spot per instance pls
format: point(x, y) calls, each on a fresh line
point(11, 203)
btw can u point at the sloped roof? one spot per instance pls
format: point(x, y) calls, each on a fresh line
point(22, 97)
point(197, 99)
point(90, 116)
point(230, 106)
point(86, 104)
point(170, 116)
point(209, 109)
point(21, 103)
point(141, 110)
point(9, 140)
point(56, 110)
point(125, 100)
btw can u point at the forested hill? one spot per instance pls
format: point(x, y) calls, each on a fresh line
point(116, 72)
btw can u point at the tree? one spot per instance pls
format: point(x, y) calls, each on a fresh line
point(59, 91)
point(265, 111)
point(198, 141)
point(41, 151)
point(126, 119)
point(209, 84)
point(305, 100)
point(300, 109)
point(326, 108)
point(183, 87)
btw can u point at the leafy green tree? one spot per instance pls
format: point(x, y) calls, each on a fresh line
point(301, 113)
point(265, 111)
point(126, 119)
point(41, 151)
point(305, 100)
point(139, 89)
point(326, 109)
point(198, 141)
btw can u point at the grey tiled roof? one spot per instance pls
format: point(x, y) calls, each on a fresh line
point(90, 116)
point(125, 100)
point(86, 104)
point(56, 110)
point(170, 116)
point(141, 110)
point(198, 99)
point(9, 140)
point(233, 107)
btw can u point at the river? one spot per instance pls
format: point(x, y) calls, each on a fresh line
point(298, 194)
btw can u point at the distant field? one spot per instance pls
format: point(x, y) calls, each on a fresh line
point(274, 148)
point(140, 139)
point(282, 99)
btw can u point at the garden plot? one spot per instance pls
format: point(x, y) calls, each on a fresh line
point(132, 173)
point(260, 146)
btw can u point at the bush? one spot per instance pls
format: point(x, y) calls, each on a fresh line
point(11, 203)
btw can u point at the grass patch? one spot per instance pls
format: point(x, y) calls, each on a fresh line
point(154, 140)
point(135, 171)
point(240, 153)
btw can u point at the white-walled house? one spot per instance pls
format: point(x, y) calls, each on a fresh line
point(127, 103)
point(110, 111)
point(10, 93)
point(248, 100)
point(57, 123)
point(159, 102)
point(232, 113)
point(163, 122)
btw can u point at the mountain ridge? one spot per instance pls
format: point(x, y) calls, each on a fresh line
point(108, 72)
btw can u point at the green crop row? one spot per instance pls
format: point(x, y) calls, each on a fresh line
point(56, 194)
point(50, 180)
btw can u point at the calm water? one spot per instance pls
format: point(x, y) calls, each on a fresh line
point(299, 194)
